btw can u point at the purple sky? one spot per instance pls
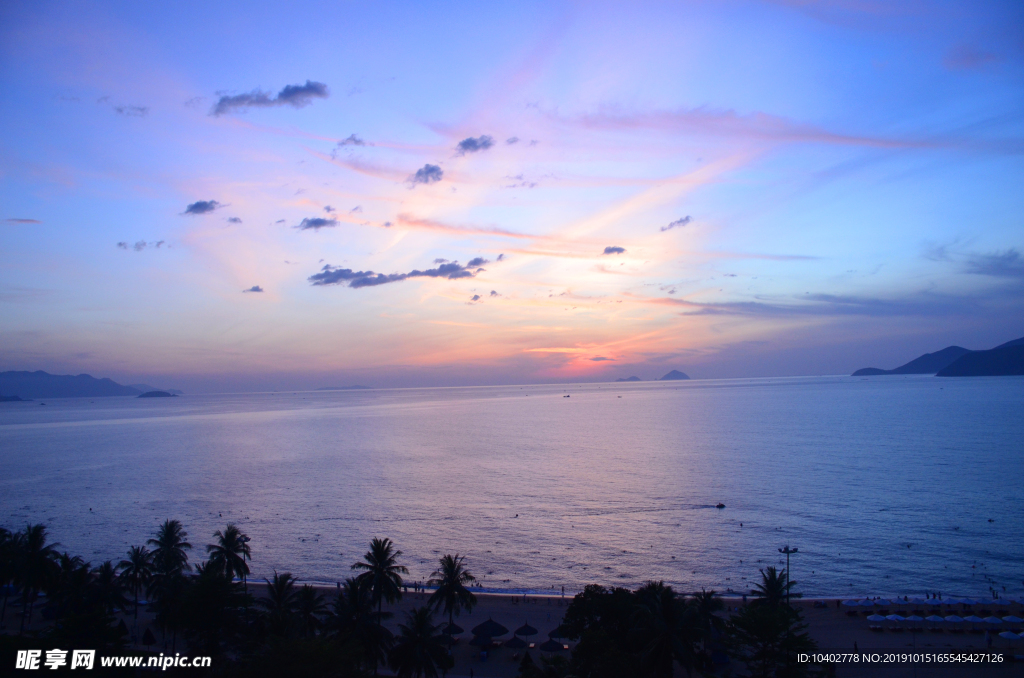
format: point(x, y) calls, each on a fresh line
point(256, 196)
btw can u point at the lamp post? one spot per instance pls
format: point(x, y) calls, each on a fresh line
point(788, 551)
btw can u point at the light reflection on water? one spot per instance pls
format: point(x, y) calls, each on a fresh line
point(886, 485)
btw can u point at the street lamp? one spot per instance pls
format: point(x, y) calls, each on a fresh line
point(788, 551)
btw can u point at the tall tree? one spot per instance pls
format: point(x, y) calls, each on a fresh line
point(419, 648)
point(168, 584)
point(280, 603)
point(136, 571)
point(230, 552)
point(774, 589)
point(8, 569)
point(356, 624)
point(35, 567)
point(451, 579)
point(108, 589)
point(767, 634)
point(170, 549)
point(382, 574)
point(309, 610)
point(666, 628)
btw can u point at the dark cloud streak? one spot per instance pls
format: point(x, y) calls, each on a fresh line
point(296, 96)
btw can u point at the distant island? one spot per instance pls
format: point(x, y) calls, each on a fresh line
point(675, 375)
point(146, 388)
point(344, 388)
point(629, 379)
point(955, 361)
point(39, 384)
point(12, 399)
point(158, 394)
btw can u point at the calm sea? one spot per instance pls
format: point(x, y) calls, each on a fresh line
point(891, 485)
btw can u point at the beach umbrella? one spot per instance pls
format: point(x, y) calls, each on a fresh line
point(895, 618)
point(1009, 635)
point(452, 629)
point(993, 620)
point(1001, 602)
point(526, 630)
point(559, 632)
point(914, 618)
point(515, 642)
point(935, 618)
point(953, 619)
point(974, 619)
point(489, 628)
point(1010, 619)
point(551, 646)
point(867, 603)
point(481, 641)
point(851, 603)
point(882, 601)
point(876, 618)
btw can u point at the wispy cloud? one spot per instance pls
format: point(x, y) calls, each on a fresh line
point(474, 144)
point(331, 275)
point(202, 207)
point(601, 359)
point(15, 220)
point(1005, 264)
point(428, 174)
point(613, 249)
point(254, 288)
point(234, 220)
point(296, 96)
point(678, 223)
point(316, 223)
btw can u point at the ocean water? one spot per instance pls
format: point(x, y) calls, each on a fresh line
point(889, 485)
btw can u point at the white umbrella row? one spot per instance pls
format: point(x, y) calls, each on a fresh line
point(952, 619)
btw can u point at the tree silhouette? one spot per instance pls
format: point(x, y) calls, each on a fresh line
point(451, 578)
point(382, 574)
point(419, 649)
point(230, 552)
point(136, 571)
point(35, 567)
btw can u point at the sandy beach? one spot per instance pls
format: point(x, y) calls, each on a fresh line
point(833, 628)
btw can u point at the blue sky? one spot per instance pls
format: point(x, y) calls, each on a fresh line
point(796, 188)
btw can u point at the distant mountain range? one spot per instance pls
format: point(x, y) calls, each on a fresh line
point(955, 361)
point(629, 379)
point(41, 384)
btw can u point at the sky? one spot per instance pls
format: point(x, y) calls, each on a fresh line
point(260, 196)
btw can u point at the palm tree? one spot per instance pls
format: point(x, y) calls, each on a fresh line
point(705, 605)
point(280, 602)
point(35, 566)
point(355, 621)
point(136, 571)
point(665, 628)
point(774, 588)
point(230, 552)
point(169, 556)
point(419, 650)
point(71, 584)
point(108, 591)
point(451, 579)
point(382, 574)
point(8, 569)
point(309, 607)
